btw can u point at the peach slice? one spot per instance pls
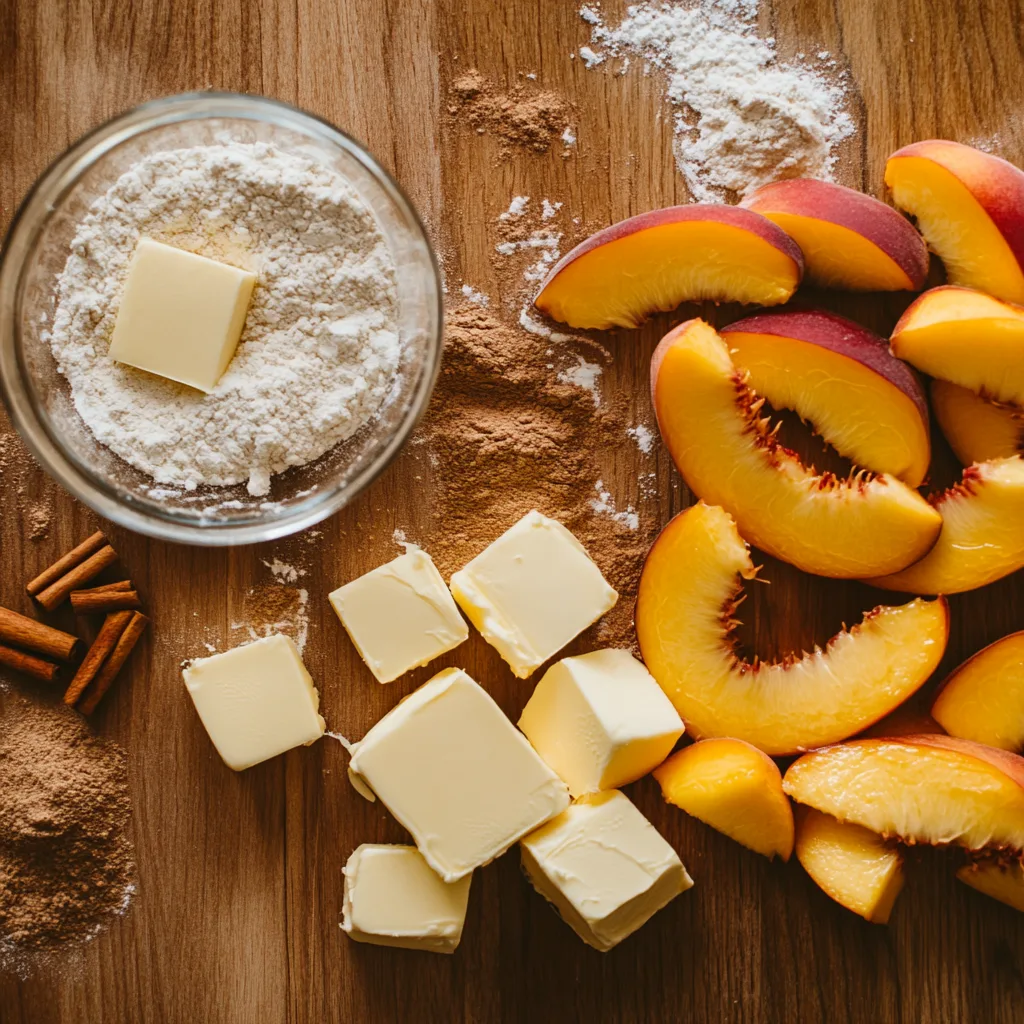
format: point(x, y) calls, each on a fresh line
point(849, 240)
point(842, 378)
point(965, 337)
point(969, 206)
point(729, 456)
point(982, 538)
point(919, 789)
point(977, 429)
point(733, 787)
point(687, 597)
point(853, 865)
point(653, 262)
point(983, 700)
point(1001, 881)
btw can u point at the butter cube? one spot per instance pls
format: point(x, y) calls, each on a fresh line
point(393, 898)
point(600, 720)
point(181, 315)
point(457, 774)
point(604, 867)
point(255, 701)
point(532, 591)
point(400, 615)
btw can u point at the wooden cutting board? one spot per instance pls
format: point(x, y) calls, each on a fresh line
point(239, 876)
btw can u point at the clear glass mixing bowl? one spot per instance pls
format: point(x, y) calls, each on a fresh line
point(38, 397)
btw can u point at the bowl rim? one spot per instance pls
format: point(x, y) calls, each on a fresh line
point(26, 225)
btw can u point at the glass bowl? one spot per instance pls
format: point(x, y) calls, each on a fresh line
point(38, 397)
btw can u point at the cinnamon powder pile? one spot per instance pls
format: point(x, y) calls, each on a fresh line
point(517, 118)
point(506, 435)
point(65, 851)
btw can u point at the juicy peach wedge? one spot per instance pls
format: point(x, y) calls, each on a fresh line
point(977, 428)
point(735, 788)
point(983, 699)
point(969, 206)
point(729, 456)
point(967, 338)
point(853, 865)
point(936, 790)
point(840, 377)
point(652, 263)
point(1002, 880)
point(982, 538)
point(689, 589)
point(849, 240)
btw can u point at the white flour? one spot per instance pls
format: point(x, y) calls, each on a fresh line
point(743, 118)
point(320, 348)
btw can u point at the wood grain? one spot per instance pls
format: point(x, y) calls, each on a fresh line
point(239, 875)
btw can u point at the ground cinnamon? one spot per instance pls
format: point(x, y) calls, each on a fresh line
point(507, 435)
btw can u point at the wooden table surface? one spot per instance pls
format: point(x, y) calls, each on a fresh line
point(239, 875)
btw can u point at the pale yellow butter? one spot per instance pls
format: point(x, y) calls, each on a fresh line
point(600, 720)
point(255, 701)
point(457, 774)
point(181, 315)
point(532, 591)
point(604, 867)
point(393, 898)
point(400, 615)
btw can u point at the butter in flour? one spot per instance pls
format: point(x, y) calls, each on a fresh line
point(320, 349)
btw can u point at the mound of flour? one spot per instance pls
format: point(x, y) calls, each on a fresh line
point(320, 348)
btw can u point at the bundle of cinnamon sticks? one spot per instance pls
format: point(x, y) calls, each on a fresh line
point(40, 651)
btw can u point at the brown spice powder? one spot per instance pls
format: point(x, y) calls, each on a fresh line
point(506, 436)
point(65, 851)
point(527, 120)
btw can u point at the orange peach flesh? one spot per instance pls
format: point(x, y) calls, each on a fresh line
point(736, 789)
point(709, 420)
point(977, 429)
point(837, 257)
point(859, 412)
point(688, 587)
point(953, 221)
point(919, 789)
point(983, 700)
point(965, 337)
point(1003, 882)
point(982, 538)
point(653, 263)
point(853, 865)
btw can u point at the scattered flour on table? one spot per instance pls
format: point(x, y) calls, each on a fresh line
point(743, 117)
point(474, 295)
point(320, 349)
point(643, 437)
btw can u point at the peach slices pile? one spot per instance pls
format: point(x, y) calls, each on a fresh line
point(844, 805)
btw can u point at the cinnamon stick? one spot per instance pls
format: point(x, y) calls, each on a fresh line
point(56, 592)
point(21, 631)
point(107, 588)
point(62, 566)
point(106, 640)
point(95, 602)
point(37, 668)
point(103, 681)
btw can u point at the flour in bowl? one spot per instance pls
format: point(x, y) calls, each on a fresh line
point(320, 349)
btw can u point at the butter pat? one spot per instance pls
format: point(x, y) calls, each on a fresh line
point(457, 774)
point(604, 867)
point(400, 615)
point(600, 720)
point(532, 591)
point(393, 898)
point(181, 315)
point(255, 701)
